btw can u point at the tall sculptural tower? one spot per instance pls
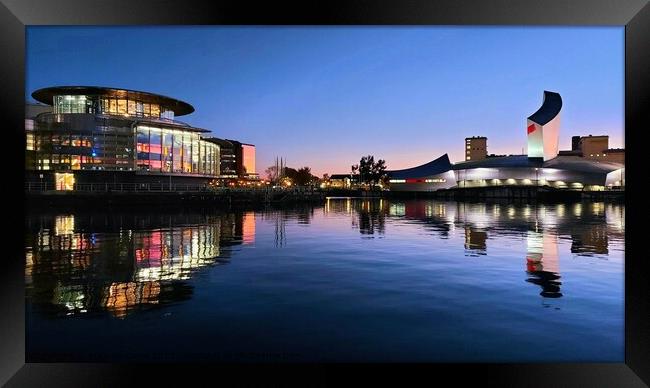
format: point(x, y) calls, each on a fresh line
point(544, 128)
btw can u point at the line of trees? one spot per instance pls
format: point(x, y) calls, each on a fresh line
point(299, 177)
point(368, 170)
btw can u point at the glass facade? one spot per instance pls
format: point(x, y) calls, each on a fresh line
point(75, 142)
point(62, 141)
point(166, 149)
point(111, 106)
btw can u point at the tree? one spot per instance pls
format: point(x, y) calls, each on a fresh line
point(300, 177)
point(370, 171)
point(271, 173)
point(303, 176)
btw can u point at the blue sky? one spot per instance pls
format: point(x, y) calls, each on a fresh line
point(324, 96)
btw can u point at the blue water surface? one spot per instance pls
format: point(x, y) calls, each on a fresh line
point(358, 280)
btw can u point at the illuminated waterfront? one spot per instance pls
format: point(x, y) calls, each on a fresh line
point(352, 280)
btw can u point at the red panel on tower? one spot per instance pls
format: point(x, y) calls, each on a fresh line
point(531, 128)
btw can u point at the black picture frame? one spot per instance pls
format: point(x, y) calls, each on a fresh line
point(633, 14)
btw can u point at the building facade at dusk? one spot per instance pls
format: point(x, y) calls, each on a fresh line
point(475, 148)
point(99, 134)
point(237, 159)
point(595, 148)
point(543, 166)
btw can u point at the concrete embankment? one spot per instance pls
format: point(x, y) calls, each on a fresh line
point(169, 199)
point(255, 198)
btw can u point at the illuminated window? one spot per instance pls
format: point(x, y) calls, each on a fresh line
point(112, 106)
point(64, 181)
point(139, 108)
point(121, 107)
point(177, 153)
point(155, 149)
point(75, 162)
point(30, 141)
point(155, 110)
point(131, 107)
point(166, 156)
point(469, 157)
point(468, 147)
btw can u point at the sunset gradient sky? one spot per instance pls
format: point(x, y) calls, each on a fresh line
point(324, 96)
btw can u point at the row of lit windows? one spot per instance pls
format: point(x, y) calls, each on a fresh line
point(112, 148)
point(166, 150)
point(125, 107)
point(527, 182)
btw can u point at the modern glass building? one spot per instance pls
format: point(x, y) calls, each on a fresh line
point(99, 134)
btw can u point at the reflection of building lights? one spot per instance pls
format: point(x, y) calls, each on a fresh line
point(248, 228)
point(124, 296)
point(63, 225)
point(577, 209)
point(597, 208)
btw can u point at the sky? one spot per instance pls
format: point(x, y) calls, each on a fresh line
point(325, 96)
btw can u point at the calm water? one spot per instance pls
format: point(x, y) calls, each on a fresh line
point(352, 280)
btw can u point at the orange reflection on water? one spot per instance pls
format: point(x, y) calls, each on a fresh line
point(121, 297)
point(248, 228)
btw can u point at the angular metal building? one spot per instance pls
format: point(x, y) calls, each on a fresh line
point(432, 176)
point(540, 167)
point(543, 128)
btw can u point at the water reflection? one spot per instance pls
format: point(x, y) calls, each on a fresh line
point(371, 216)
point(542, 263)
point(587, 225)
point(475, 241)
point(301, 214)
point(118, 263)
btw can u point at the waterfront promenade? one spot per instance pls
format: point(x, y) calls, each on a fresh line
point(166, 195)
point(133, 194)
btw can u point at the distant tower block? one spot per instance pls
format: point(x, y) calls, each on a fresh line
point(544, 128)
point(475, 148)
